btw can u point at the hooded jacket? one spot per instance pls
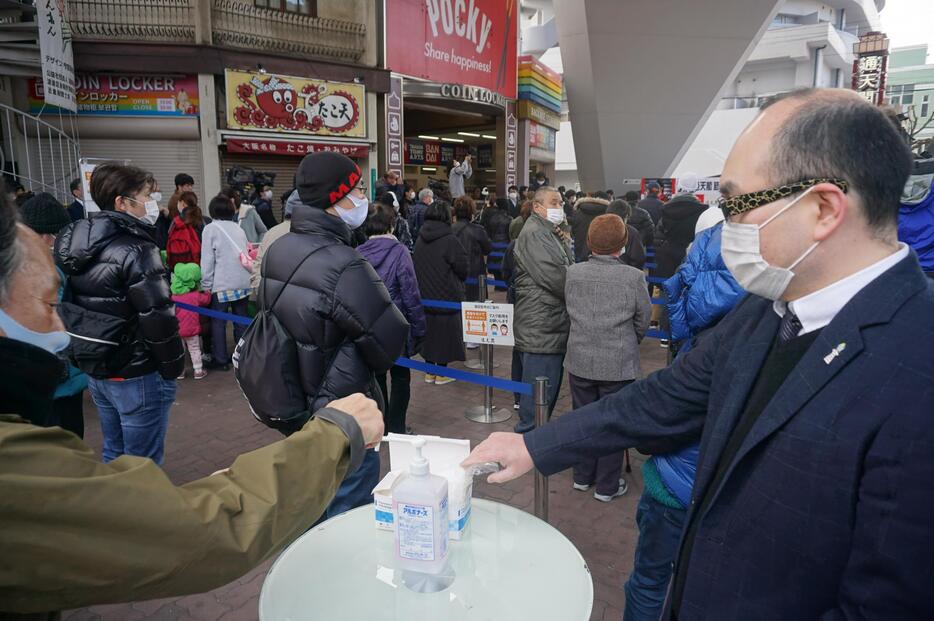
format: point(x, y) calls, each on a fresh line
point(585, 211)
point(916, 226)
point(441, 264)
point(642, 222)
point(393, 262)
point(541, 265)
point(114, 267)
point(251, 223)
point(333, 303)
point(476, 242)
point(496, 221)
point(675, 232)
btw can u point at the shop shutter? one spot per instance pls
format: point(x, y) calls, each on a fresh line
point(163, 158)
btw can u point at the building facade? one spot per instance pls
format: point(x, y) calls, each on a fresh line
point(910, 87)
point(202, 87)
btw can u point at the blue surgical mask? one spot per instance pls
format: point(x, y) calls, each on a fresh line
point(52, 342)
point(356, 216)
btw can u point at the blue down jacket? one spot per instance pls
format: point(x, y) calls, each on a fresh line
point(916, 218)
point(700, 293)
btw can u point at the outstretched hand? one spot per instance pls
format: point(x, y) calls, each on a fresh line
point(506, 448)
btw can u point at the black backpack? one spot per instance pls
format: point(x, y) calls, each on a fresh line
point(266, 367)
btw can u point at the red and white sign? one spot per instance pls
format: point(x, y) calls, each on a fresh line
point(286, 147)
point(456, 41)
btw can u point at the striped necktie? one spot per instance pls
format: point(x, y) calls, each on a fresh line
point(790, 326)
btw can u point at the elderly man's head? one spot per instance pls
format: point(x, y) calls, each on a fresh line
point(547, 204)
point(426, 196)
point(28, 285)
point(820, 172)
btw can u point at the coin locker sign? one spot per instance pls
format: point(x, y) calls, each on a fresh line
point(487, 324)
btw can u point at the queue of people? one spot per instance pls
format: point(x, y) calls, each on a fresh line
point(813, 373)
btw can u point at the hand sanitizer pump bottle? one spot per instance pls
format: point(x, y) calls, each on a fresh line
point(420, 505)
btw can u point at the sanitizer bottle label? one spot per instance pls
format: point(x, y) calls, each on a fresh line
point(416, 532)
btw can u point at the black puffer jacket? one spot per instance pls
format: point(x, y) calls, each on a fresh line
point(476, 242)
point(585, 211)
point(114, 267)
point(675, 231)
point(496, 221)
point(642, 222)
point(334, 305)
point(441, 265)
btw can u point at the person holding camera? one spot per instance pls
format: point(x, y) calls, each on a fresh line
point(460, 172)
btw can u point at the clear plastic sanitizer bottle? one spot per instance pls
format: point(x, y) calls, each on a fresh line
point(420, 508)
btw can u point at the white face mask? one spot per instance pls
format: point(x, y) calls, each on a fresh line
point(152, 210)
point(356, 216)
point(742, 256)
point(267, 195)
point(555, 216)
point(156, 196)
point(513, 195)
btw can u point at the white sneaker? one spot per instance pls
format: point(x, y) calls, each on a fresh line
point(473, 345)
point(581, 487)
point(623, 488)
point(515, 406)
point(429, 378)
point(440, 380)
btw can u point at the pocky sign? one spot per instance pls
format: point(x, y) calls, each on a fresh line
point(469, 42)
point(260, 101)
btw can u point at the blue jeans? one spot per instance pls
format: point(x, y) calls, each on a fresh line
point(536, 365)
point(659, 534)
point(134, 414)
point(357, 489)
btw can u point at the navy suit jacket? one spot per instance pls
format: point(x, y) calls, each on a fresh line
point(827, 510)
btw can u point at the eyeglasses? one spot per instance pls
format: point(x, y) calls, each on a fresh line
point(736, 205)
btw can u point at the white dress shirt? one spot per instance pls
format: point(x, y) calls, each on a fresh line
point(818, 309)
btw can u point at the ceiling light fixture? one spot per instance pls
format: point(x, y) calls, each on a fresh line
point(446, 139)
point(424, 137)
point(471, 135)
point(428, 169)
point(488, 137)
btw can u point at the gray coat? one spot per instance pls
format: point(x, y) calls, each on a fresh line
point(610, 310)
point(456, 179)
point(541, 265)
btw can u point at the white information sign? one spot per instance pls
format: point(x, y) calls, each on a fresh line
point(488, 324)
point(707, 189)
point(87, 168)
point(58, 65)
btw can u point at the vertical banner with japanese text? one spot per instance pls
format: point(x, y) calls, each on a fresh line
point(395, 137)
point(58, 65)
point(871, 66)
point(512, 144)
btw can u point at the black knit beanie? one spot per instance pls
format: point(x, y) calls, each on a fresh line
point(325, 178)
point(44, 214)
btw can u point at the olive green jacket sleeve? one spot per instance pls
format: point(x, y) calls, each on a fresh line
point(76, 532)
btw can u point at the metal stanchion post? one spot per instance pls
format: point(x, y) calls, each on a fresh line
point(480, 363)
point(541, 417)
point(485, 413)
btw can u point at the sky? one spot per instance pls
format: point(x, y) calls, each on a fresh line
point(909, 22)
point(906, 22)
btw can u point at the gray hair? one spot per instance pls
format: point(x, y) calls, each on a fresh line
point(837, 135)
point(11, 248)
point(542, 192)
point(425, 192)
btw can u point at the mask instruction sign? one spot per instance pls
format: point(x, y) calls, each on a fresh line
point(58, 65)
point(487, 324)
point(87, 169)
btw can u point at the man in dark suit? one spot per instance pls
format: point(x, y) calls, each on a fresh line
point(76, 209)
point(813, 400)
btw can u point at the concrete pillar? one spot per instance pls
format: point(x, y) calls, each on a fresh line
point(642, 77)
point(210, 140)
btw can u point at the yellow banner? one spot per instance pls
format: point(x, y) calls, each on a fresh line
point(266, 102)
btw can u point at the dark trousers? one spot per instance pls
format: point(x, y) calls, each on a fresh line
point(605, 471)
point(397, 399)
point(219, 327)
point(539, 365)
point(659, 534)
point(516, 371)
point(69, 413)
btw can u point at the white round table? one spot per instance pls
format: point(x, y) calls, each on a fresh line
point(510, 565)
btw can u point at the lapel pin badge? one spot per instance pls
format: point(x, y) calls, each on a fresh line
point(834, 353)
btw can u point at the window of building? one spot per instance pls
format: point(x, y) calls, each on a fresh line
point(924, 106)
point(902, 94)
point(782, 20)
point(302, 7)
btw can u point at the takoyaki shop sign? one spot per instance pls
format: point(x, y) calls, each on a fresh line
point(278, 103)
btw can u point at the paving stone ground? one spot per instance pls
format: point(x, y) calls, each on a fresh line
point(210, 425)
